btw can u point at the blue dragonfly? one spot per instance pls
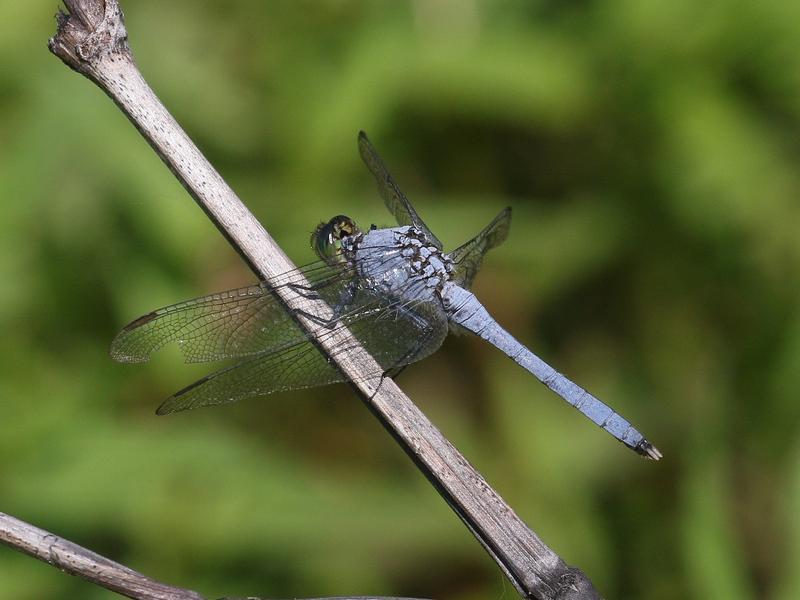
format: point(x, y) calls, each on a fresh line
point(394, 288)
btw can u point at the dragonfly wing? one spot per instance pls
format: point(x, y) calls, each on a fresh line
point(468, 257)
point(395, 335)
point(229, 324)
point(395, 200)
point(298, 366)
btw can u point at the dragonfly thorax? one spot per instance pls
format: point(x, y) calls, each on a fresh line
point(400, 262)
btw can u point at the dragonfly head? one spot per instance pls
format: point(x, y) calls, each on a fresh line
point(327, 238)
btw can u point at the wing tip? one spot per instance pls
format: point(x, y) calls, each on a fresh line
point(365, 147)
point(164, 409)
point(169, 406)
point(122, 356)
point(178, 402)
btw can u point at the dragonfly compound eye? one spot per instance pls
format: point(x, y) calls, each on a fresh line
point(327, 238)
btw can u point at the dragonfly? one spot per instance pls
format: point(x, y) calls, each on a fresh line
point(395, 290)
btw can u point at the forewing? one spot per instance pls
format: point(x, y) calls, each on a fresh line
point(395, 200)
point(395, 335)
point(229, 324)
point(468, 257)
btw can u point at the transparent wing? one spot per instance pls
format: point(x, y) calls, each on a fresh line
point(295, 367)
point(468, 257)
point(395, 200)
point(394, 335)
point(229, 324)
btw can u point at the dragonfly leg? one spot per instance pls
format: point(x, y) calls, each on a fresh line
point(340, 309)
point(394, 371)
point(308, 292)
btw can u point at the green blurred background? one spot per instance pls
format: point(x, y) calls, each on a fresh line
point(649, 151)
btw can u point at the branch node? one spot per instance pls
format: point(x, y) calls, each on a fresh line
point(574, 585)
point(88, 31)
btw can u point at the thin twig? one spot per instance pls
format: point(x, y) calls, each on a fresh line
point(92, 40)
point(77, 560)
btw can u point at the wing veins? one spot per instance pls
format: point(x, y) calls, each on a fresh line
point(394, 199)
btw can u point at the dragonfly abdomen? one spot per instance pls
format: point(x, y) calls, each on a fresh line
point(465, 309)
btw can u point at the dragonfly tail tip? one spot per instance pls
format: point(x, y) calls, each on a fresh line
point(647, 450)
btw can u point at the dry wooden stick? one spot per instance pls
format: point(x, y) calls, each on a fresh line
point(92, 40)
point(77, 560)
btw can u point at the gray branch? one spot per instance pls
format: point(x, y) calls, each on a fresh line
point(77, 560)
point(92, 40)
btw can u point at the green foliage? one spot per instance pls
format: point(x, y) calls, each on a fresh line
point(649, 151)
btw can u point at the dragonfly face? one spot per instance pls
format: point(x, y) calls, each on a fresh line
point(396, 291)
point(326, 240)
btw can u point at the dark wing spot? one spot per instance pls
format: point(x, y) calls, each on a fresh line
point(143, 320)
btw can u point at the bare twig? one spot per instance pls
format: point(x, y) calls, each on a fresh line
point(77, 560)
point(92, 40)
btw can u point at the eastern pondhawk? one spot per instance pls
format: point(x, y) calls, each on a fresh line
point(395, 290)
